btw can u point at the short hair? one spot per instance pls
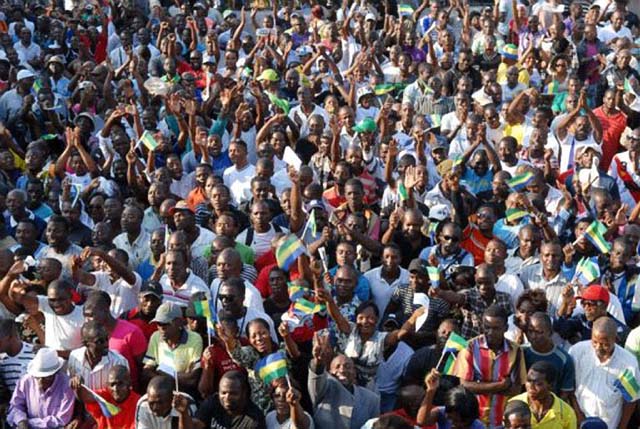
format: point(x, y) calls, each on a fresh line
point(239, 142)
point(91, 325)
point(368, 304)
point(544, 317)
point(239, 377)
point(545, 368)
point(8, 328)
point(61, 286)
point(537, 297)
point(99, 298)
point(354, 182)
point(605, 325)
point(236, 283)
point(462, 402)
point(59, 219)
point(516, 408)
point(162, 384)
point(496, 311)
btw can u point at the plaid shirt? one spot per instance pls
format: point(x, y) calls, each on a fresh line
point(473, 308)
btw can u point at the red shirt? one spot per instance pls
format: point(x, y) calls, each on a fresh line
point(125, 419)
point(221, 361)
point(474, 242)
point(332, 197)
point(262, 282)
point(612, 128)
point(147, 328)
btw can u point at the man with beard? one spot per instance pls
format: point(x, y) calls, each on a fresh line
point(599, 360)
point(118, 391)
point(337, 400)
point(93, 362)
point(231, 407)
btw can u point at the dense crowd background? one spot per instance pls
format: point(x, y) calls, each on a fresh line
point(359, 214)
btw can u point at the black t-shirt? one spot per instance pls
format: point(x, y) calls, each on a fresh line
point(214, 416)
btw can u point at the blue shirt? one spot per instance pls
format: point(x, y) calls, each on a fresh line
point(362, 287)
point(509, 233)
point(477, 184)
point(561, 361)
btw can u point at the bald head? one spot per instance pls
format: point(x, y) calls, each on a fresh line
point(606, 326)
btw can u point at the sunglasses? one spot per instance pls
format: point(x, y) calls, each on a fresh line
point(226, 297)
point(450, 238)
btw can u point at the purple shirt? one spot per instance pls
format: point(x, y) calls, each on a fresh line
point(50, 409)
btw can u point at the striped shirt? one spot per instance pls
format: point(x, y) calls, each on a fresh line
point(96, 377)
point(14, 367)
point(481, 364)
point(192, 285)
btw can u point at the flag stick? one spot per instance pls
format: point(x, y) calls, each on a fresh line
point(288, 380)
point(440, 360)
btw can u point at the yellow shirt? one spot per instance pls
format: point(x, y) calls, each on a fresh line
point(501, 76)
point(559, 416)
point(186, 357)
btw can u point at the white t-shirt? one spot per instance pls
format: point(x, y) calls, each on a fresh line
point(61, 332)
point(607, 34)
point(239, 182)
point(272, 421)
point(261, 242)
point(381, 291)
point(124, 297)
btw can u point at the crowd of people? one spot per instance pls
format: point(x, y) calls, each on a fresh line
point(306, 214)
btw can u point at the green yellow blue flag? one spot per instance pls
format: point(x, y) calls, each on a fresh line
point(595, 234)
point(519, 182)
point(107, 408)
point(515, 214)
point(288, 251)
point(587, 271)
point(272, 367)
point(205, 309)
point(148, 140)
point(167, 362)
point(627, 385)
point(455, 343)
point(434, 276)
point(403, 192)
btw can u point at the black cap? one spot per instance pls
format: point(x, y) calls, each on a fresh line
point(151, 287)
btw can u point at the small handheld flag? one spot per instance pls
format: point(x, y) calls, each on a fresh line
point(455, 343)
point(108, 409)
point(205, 309)
point(148, 140)
point(280, 103)
point(515, 214)
point(627, 385)
point(405, 10)
point(434, 276)
point(403, 192)
point(272, 367)
point(386, 88)
point(449, 363)
point(520, 182)
point(306, 307)
point(587, 271)
point(288, 251)
point(595, 234)
point(296, 291)
point(167, 362)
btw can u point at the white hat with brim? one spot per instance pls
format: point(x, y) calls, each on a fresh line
point(25, 74)
point(45, 364)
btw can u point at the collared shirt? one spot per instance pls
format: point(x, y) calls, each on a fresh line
point(151, 220)
point(595, 391)
point(186, 355)
point(474, 306)
point(532, 278)
point(514, 262)
point(96, 377)
point(193, 284)
point(380, 289)
point(559, 416)
point(479, 363)
point(146, 419)
point(52, 408)
point(138, 251)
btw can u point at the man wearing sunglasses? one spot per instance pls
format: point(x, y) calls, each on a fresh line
point(595, 301)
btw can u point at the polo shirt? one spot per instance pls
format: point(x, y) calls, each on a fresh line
point(479, 363)
point(138, 251)
point(125, 419)
point(186, 356)
point(128, 340)
point(559, 416)
point(380, 289)
point(146, 419)
point(595, 393)
point(193, 284)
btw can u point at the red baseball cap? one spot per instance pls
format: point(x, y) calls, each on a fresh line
point(595, 293)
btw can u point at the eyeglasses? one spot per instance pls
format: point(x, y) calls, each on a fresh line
point(450, 238)
point(226, 297)
point(588, 303)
